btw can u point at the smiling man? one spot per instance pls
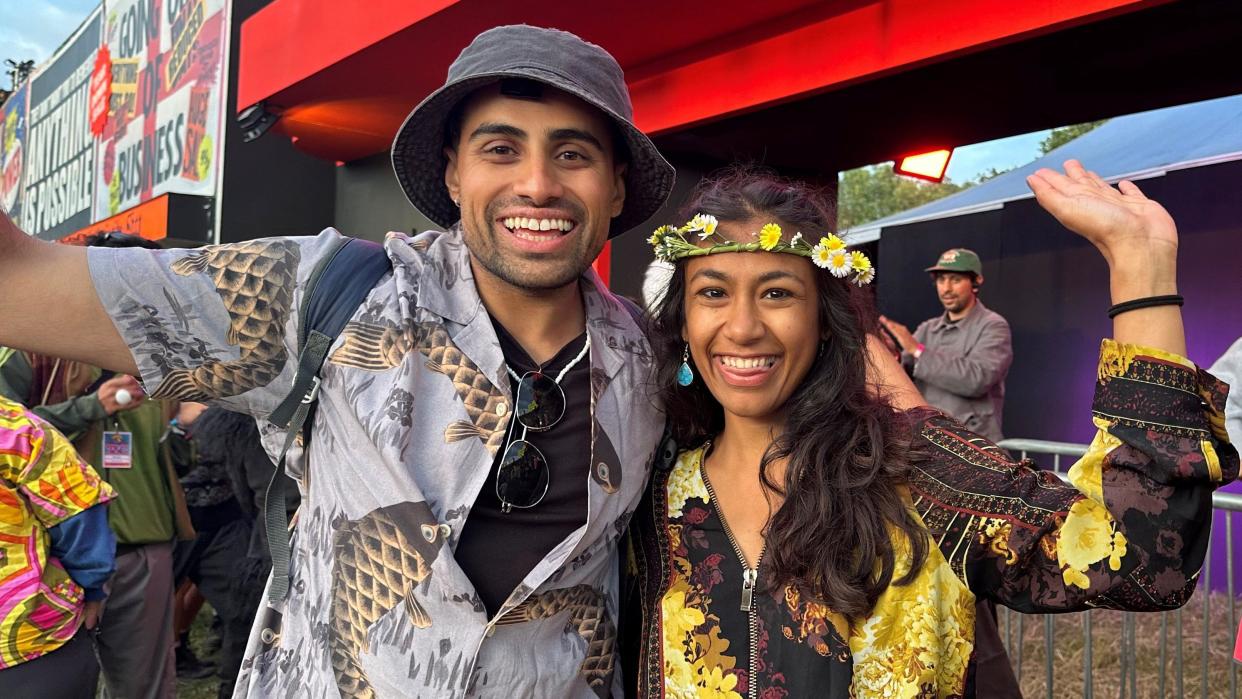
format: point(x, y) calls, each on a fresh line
point(483, 426)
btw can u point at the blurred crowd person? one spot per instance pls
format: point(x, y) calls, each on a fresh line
point(1228, 368)
point(224, 472)
point(56, 552)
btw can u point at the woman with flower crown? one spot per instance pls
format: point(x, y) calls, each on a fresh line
point(809, 538)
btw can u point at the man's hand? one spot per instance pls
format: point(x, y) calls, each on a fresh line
point(904, 337)
point(90, 614)
point(108, 389)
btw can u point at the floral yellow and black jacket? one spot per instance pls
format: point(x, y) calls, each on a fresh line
point(1130, 533)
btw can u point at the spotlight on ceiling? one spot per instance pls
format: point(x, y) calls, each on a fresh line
point(255, 120)
point(928, 166)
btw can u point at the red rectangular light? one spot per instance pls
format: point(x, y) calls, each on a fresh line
point(928, 166)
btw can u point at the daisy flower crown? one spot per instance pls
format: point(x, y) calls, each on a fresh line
point(672, 243)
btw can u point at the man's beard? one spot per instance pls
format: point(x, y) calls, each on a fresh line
point(957, 305)
point(560, 276)
point(554, 274)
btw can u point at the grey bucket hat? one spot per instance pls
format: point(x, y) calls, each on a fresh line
point(549, 56)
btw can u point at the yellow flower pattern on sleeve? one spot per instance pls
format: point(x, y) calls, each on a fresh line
point(1088, 536)
point(918, 636)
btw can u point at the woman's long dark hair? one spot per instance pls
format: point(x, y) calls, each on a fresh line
point(847, 450)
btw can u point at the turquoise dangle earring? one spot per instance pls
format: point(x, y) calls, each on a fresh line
point(685, 376)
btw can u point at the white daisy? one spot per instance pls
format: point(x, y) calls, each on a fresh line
point(705, 224)
point(839, 263)
point(820, 256)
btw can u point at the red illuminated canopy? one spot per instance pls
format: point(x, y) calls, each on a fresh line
point(344, 79)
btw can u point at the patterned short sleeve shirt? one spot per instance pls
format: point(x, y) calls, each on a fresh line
point(414, 405)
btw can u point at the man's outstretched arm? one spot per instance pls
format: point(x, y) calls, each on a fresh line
point(49, 305)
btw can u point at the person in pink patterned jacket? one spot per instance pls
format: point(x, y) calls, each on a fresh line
point(56, 553)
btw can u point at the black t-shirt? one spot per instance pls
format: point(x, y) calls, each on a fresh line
point(498, 549)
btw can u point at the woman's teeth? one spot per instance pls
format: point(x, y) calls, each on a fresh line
point(747, 362)
point(538, 224)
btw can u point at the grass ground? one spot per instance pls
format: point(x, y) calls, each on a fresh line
point(205, 688)
point(194, 689)
point(1109, 636)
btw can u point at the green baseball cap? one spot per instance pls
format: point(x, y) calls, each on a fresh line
point(958, 260)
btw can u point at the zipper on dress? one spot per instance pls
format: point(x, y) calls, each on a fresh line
point(750, 580)
point(749, 576)
point(752, 680)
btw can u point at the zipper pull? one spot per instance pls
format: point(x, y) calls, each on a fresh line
point(749, 576)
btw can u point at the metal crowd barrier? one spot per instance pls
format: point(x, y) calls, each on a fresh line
point(1215, 680)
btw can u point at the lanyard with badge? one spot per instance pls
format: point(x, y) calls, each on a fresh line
point(118, 446)
point(117, 450)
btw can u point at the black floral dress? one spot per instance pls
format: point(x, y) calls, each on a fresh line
point(1130, 533)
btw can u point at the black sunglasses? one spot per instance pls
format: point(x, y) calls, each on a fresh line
point(522, 479)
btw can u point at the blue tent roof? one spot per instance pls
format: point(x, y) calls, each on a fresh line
point(1133, 146)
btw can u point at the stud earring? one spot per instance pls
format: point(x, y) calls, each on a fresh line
point(685, 376)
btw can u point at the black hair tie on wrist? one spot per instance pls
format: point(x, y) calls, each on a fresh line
point(1145, 302)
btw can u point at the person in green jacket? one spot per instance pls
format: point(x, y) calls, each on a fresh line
point(32, 380)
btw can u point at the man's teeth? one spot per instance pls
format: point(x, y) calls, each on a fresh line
point(748, 362)
point(539, 224)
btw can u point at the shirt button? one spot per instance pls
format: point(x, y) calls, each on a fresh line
point(501, 409)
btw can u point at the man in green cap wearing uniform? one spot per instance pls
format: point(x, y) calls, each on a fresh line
point(959, 360)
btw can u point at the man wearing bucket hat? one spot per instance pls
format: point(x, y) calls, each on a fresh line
point(959, 359)
point(483, 427)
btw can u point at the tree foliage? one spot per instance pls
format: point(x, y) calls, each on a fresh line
point(1059, 137)
point(869, 193)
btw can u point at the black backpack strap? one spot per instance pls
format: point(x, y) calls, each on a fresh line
point(339, 284)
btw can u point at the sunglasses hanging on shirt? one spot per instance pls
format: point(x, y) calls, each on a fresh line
point(522, 479)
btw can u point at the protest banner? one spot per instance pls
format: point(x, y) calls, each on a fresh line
point(163, 128)
point(12, 151)
point(60, 150)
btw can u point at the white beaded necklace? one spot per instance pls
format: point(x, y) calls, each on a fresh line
point(585, 348)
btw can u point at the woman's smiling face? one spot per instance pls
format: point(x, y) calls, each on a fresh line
point(752, 322)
